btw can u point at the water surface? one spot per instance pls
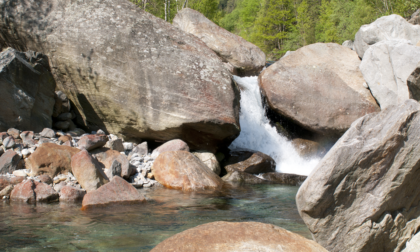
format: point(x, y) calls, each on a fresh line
point(64, 227)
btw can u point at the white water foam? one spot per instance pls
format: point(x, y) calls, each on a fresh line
point(257, 134)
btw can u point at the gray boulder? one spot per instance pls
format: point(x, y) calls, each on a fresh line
point(27, 91)
point(128, 72)
point(386, 67)
point(246, 58)
point(319, 87)
point(363, 195)
point(385, 28)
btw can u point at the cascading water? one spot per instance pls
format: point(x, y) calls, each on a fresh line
point(257, 133)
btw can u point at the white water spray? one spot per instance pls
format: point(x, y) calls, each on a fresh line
point(257, 134)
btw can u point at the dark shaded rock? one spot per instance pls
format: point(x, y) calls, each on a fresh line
point(363, 195)
point(223, 236)
point(47, 132)
point(9, 162)
point(182, 170)
point(283, 178)
point(148, 80)
point(27, 91)
point(45, 179)
point(91, 142)
point(88, 171)
point(51, 159)
point(118, 191)
point(243, 177)
point(250, 162)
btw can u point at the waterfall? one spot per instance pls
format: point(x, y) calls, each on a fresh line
point(257, 134)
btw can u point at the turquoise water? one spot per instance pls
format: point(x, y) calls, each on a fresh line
point(64, 227)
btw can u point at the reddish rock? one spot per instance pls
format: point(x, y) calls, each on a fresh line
point(88, 171)
point(65, 138)
point(224, 236)
point(69, 193)
point(183, 171)
point(173, 145)
point(5, 181)
point(45, 179)
point(9, 162)
point(117, 191)
point(51, 159)
point(31, 191)
point(68, 143)
point(90, 142)
point(250, 162)
point(106, 157)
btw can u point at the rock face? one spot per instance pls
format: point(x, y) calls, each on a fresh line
point(30, 191)
point(319, 88)
point(386, 67)
point(117, 191)
point(183, 171)
point(237, 236)
point(51, 159)
point(363, 195)
point(9, 162)
point(210, 160)
point(385, 28)
point(246, 58)
point(133, 74)
point(173, 145)
point(27, 91)
point(88, 171)
point(250, 162)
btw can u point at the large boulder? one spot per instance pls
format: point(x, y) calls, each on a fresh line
point(246, 58)
point(224, 236)
point(128, 72)
point(88, 171)
point(118, 191)
point(363, 195)
point(320, 88)
point(31, 191)
point(71, 194)
point(250, 162)
point(27, 91)
point(385, 28)
point(51, 159)
point(386, 67)
point(183, 171)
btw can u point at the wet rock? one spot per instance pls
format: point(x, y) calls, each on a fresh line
point(9, 162)
point(47, 132)
point(51, 159)
point(88, 171)
point(91, 142)
point(250, 162)
point(210, 160)
point(173, 145)
point(31, 191)
point(385, 28)
point(283, 178)
point(363, 195)
point(69, 193)
point(183, 171)
point(118, 191)
point(307, 148)
point(15, 133)
point(246, 58)
point(243, 177)
point(194, 99)
point(386, 67)
point(327, 71)
point(237, 236)
point(106, 157)
point(116, 144)
point(27, 90)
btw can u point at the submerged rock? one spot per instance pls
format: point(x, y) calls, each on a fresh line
point(223, 236)
point(183, 171)
point(129, 72)
point(385, 28)
point(118, 191)
point(27, 90)
point(363, 195)
point(246, 58)
point(320, 88)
